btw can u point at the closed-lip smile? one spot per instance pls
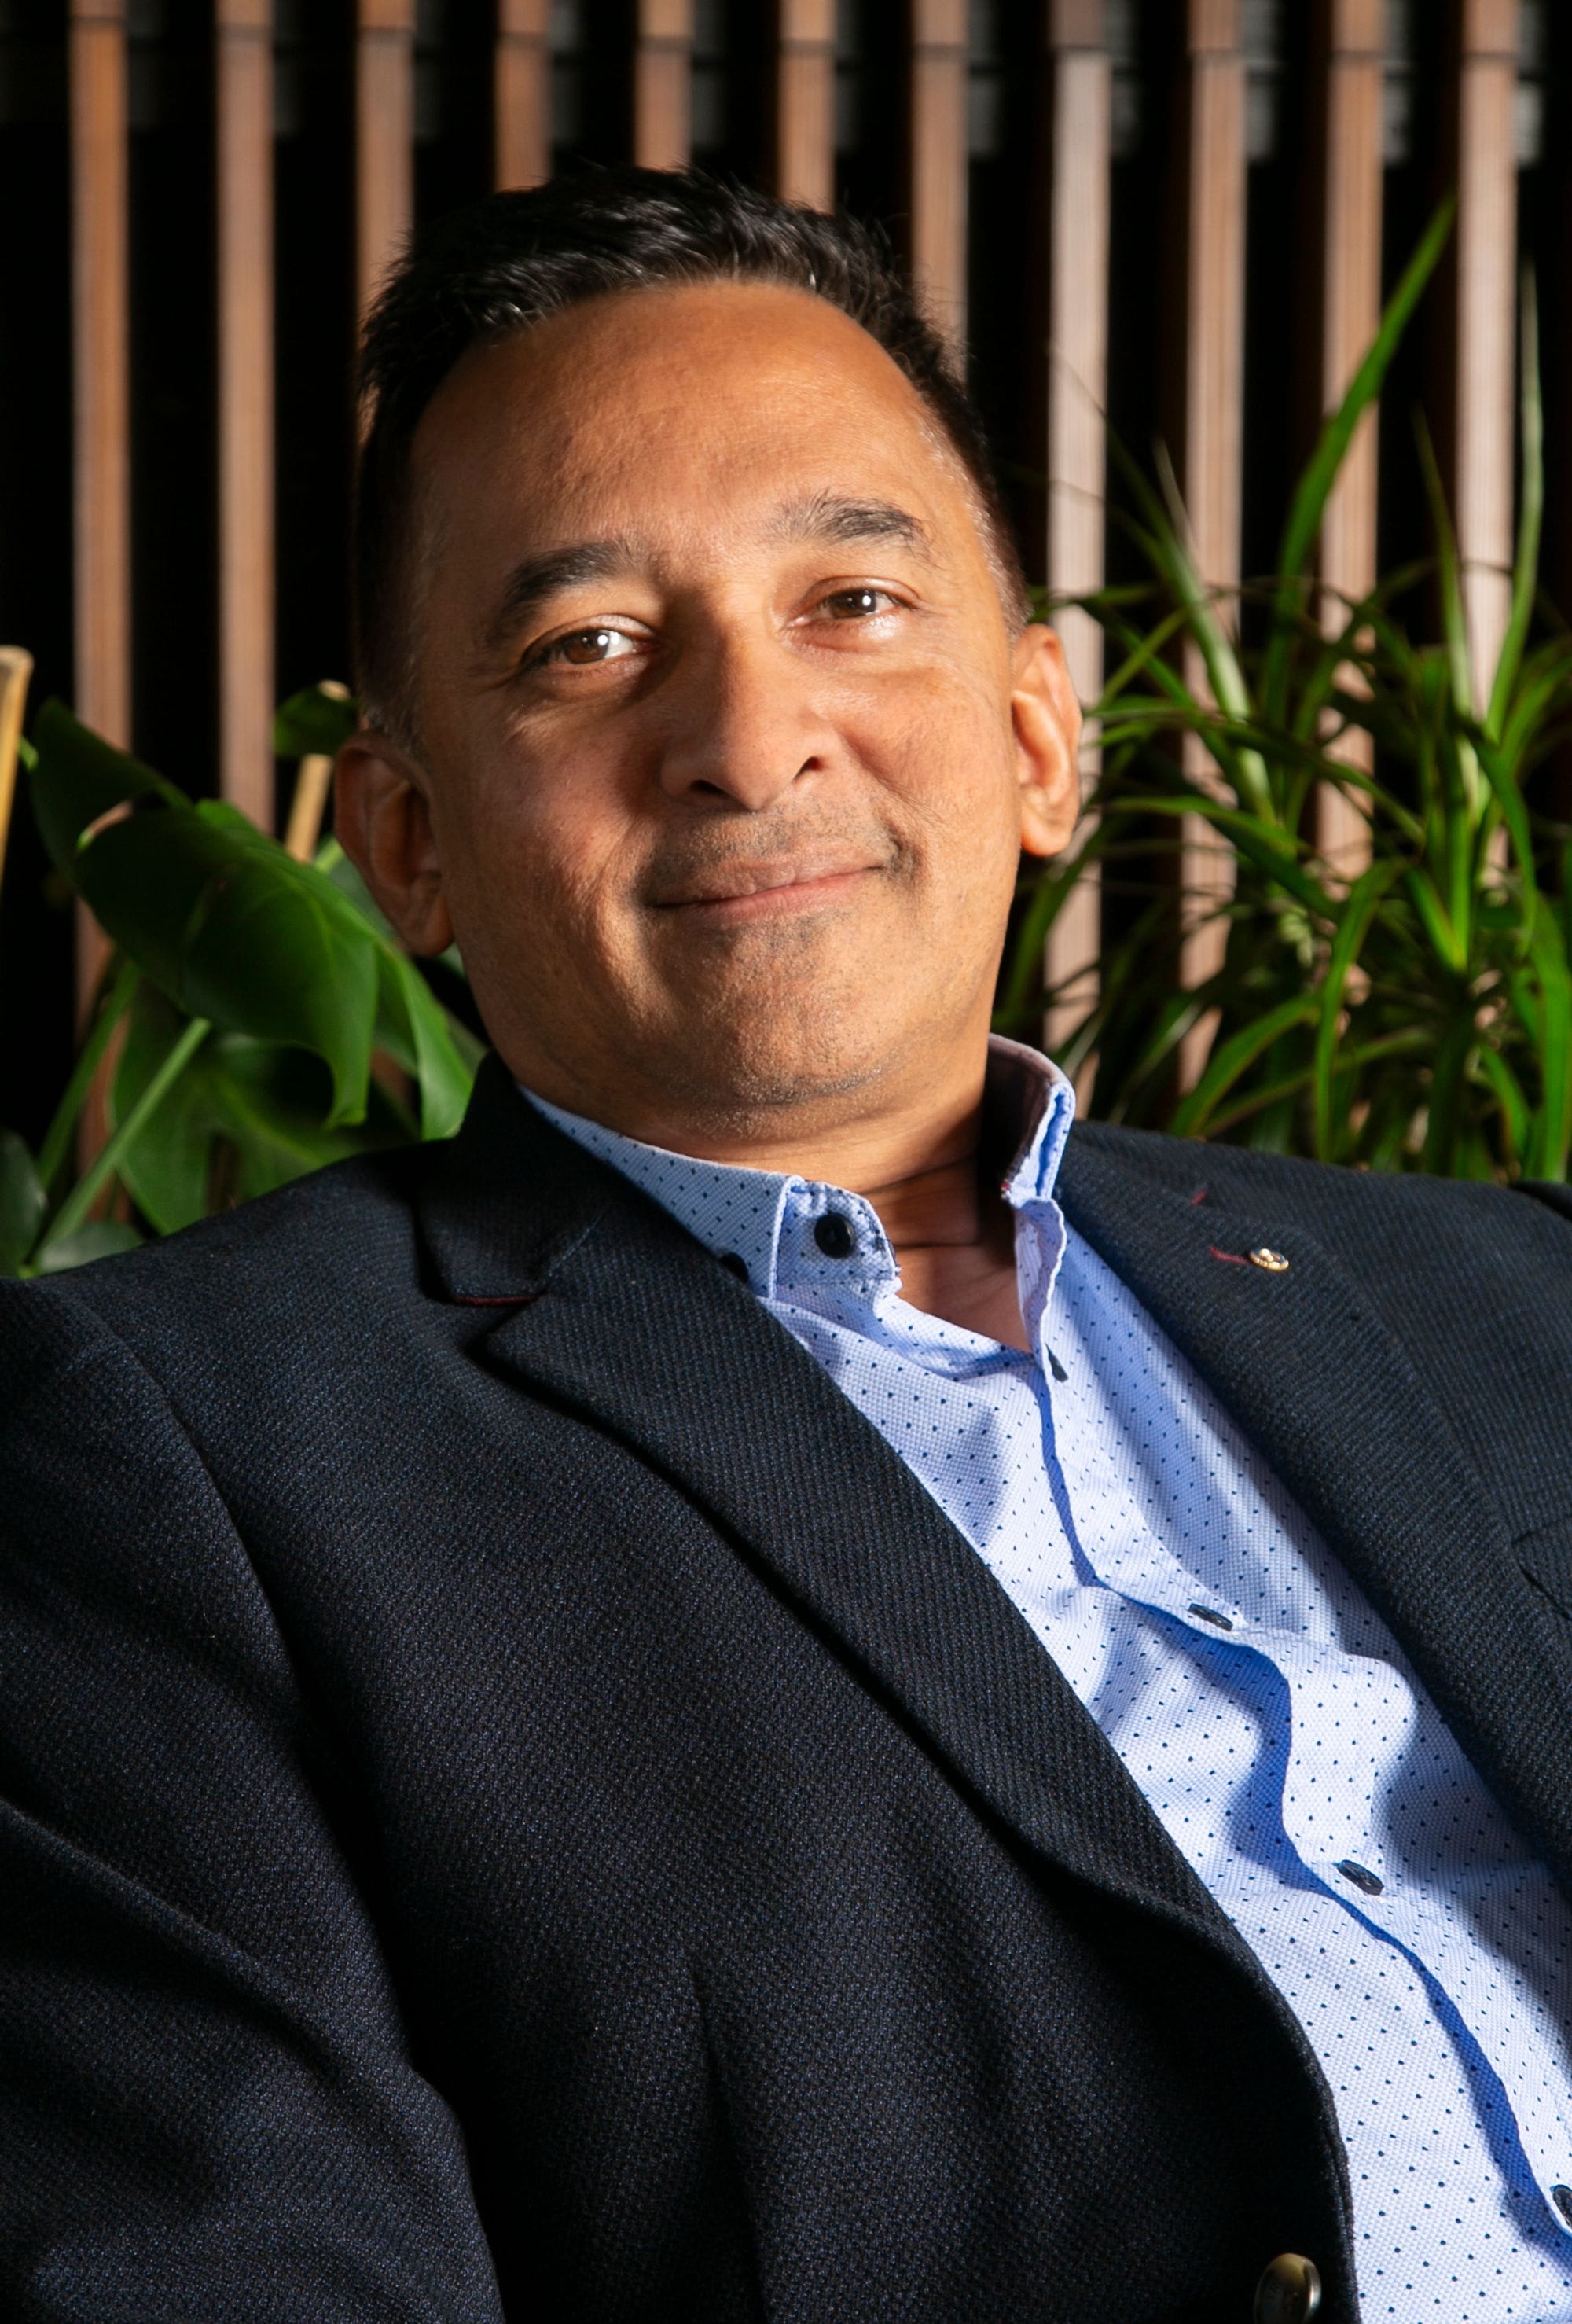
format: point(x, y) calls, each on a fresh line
point(752, 890)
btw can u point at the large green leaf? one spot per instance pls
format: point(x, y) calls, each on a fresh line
point(441, 1054)
point(246, 1115)
point(233, 929)
point(21, 1202)
point(271, 1102)
point(98, 1239)
point(167, 1167)
point(75, 777)
point(412, 1026)
point(313, 721)
point(213, 910)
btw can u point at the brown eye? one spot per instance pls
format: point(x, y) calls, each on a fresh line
point(586, 646)
point(854, 605)
point(588, 649)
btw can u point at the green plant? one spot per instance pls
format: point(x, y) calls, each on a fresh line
point(1417, 1015)
point(240, 1021)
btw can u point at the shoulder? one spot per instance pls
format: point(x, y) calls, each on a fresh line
point(255, 1287)
point(1473, 1281)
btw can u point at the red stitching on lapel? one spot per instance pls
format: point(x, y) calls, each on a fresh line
point(1233, 1257)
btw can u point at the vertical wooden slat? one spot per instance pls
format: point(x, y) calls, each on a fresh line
point(384, 151)
point(313, 782)
point(101, 376)
point(15, 674)
point(663, 83)
point(805, 114)
point(1081, 84)
point(939, 160)
point(521, 93)
point(1486, 305)
point(244, 127)
point(1214, 419)
point(1350, 315)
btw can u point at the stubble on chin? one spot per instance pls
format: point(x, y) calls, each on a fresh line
point(776, 1025)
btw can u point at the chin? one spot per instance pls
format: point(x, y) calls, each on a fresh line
point(737, 1072)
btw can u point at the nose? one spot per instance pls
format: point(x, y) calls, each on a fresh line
point(739, 726)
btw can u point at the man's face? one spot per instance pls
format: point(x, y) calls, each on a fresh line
point(726, 741)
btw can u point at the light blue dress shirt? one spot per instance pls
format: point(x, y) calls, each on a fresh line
point(1270, 1719)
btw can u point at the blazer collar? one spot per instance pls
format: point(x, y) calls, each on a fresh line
point(604, 1302)
point(503, 1204)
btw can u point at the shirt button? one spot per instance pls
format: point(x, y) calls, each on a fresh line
point(1562, 2198)
point(1370, 1882)
point(1289, 2292)
point(835, 1235)
point(1210, 1614)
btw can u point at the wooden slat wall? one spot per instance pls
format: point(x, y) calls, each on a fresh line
point(939, 160)
point(521, 93)
point(1076, 133)
point(1214, 407)
point(1486, 305)
point(1080, 89)
point(243, 95)
point(1350, 313)
point(663, 68)
point(385, 139)
point(804, 108)
point(101, 334)
point(101, 375)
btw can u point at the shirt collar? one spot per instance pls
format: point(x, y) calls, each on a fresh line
point(767, 1223)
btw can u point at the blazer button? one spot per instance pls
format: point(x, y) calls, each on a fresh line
point(1289, 2292)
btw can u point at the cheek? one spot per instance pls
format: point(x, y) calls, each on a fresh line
point(544, 847)
point(947, 751)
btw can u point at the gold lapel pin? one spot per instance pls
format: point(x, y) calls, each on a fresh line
point(1272, 1260)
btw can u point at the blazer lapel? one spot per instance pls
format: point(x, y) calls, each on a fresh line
point(605, 1304)
point(1302, 1359)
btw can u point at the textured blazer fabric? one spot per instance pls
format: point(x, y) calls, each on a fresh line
point(516, 1804)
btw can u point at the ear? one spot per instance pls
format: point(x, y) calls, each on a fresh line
point(1046, 717)
point(382, 817)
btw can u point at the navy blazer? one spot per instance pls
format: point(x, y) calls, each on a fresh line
point(514, 1802)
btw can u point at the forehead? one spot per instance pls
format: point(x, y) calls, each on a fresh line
point(688, 406)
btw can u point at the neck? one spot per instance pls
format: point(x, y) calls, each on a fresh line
point(919, 1165)
point(910, 1148)
point(953, 1233)
point(954, 1240)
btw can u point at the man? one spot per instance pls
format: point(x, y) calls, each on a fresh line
point(772, 1686)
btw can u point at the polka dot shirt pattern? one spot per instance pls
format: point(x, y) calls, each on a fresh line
point(1270, 1719)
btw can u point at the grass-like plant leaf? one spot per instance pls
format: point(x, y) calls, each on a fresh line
point(1408, 1011)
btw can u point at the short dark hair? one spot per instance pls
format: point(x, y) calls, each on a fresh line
point(482, 273)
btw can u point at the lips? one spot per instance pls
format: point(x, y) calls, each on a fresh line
point(739, 884)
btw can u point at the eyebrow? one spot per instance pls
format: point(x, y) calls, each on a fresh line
point(828, 517)
point(836, 517)
point(535, 580)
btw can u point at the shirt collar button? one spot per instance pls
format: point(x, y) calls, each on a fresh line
point(835, 1235)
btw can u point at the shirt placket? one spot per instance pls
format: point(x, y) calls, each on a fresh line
point(1339, 1702)
point(1343, 1706)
